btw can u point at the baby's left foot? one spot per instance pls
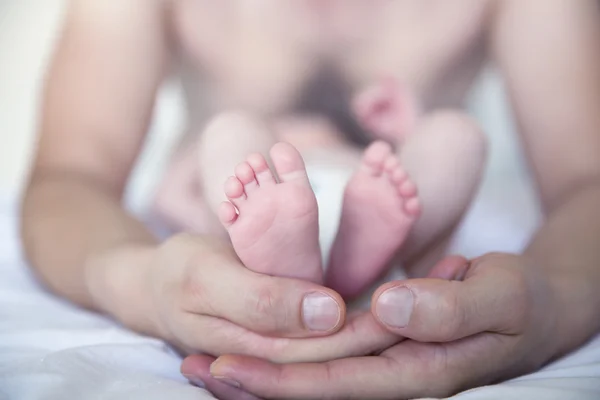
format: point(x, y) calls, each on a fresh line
point(380, 207)
point(275, 230)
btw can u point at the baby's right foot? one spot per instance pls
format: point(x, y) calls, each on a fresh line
point(275, 229)
point(388, 110)
point(379, 210)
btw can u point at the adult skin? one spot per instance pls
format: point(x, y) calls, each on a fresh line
point(547, 303)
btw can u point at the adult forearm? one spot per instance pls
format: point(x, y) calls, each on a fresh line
point(69, 222)
point(568, 247)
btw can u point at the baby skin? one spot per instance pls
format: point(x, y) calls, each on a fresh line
point(379, 209)
point(444, 153)
point(273, 223)
point(271, 215)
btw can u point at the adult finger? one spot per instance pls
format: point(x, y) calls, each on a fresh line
point(332, 380)
point(361, 335)
point(197, 371)
point(493, 297)
point(408, 370)
point(267, 305)
point(452, 268)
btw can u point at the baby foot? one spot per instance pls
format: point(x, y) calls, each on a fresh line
point(388, 110)
point(274, 226)
point(380, 207)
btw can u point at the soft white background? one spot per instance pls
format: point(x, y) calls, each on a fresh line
point(28, 32)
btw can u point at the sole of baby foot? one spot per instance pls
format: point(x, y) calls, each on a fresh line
point(380, 207)
point(273, 222)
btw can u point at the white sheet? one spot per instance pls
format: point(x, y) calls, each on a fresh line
point(50, 349)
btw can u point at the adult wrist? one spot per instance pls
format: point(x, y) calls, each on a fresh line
point(118, 280)
point(575, 305)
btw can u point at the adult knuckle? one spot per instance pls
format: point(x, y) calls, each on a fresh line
point(266, 314)
point(453, 316)
point(515, 289)
point(454, 374)
point(519, 296)
point(434, 360)
point(448, 374)
point(264, 304)
point(195, 284)
point(195, 293)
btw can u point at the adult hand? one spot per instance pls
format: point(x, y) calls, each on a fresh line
point(199, 297)
point(496, 324)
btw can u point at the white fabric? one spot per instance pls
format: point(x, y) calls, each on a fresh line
point(50, 349)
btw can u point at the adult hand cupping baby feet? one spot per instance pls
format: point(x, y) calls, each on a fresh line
point(272, 219)
point(464, 334)
point(200, 298)
point(207, 301)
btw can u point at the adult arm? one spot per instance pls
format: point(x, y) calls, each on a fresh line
point(99, 95)
point(549, 52)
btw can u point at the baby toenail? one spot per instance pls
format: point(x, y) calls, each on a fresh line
point(395, 306)
point(320, 312)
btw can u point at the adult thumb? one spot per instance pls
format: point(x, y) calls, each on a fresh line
point(437, 310)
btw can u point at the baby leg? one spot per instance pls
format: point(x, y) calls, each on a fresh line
point(191, 190)
point(228, 139)
point(444, 154)
point(446, 158)
point(179, 202)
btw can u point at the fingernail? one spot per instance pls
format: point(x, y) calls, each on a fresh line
point(320, 312)
point(219, 372)
point(228, 381)
point(194, 380)
point(394, 307)
point(462, 273)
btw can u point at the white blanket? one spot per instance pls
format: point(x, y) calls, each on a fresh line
point(50, 349)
